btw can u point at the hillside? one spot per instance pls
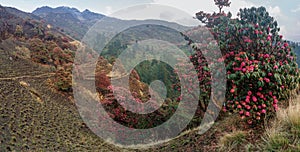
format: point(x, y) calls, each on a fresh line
point(35, 117)
point(37, 111)
point(296, 47)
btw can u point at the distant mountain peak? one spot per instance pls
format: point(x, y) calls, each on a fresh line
point(71, 20)
point(60, 9)
point(87, 10)
point(45, 7)
point(66, 8)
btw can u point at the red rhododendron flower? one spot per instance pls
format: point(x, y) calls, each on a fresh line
point(247, 114)
point(254, 98)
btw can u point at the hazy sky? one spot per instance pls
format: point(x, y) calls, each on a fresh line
point(287, 13)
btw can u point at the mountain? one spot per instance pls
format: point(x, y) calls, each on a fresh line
point(296, 48)
point(17, 23)
point(21, 14)
point(69, 20)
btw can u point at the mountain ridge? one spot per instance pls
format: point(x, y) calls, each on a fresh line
point(69, 20)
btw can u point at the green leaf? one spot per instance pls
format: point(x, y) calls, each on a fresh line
point(259, 84)
point(248, 75)
point(205, 68)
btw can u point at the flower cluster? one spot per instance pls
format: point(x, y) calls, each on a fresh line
point(254, 85)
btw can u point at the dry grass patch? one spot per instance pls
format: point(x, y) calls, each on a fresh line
point(22, 52)
point(284, 133)
point(293, 117)
point(232, 140)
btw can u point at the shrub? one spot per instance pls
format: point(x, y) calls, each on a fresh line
point(22, 52)
point(39, 52)
point(261, 67)
point(19, 31)
point(63, 79)
point(102, 82)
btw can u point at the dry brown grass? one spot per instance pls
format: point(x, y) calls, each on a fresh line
point(284, 133)
point(22, 52)
point(232, 140)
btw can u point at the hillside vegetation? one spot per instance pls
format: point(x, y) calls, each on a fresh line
point(38, 113)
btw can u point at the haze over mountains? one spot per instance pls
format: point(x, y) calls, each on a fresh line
point(70, 20)
point(76, 23)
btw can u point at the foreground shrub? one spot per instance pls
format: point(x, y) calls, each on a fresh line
point(261, 66)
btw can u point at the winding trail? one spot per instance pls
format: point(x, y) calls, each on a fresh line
point(29, 76)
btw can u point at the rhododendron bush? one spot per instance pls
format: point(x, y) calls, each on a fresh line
point(261, 66)
point(256, 84)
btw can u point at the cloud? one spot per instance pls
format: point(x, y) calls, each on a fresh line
point(283, 31)
point(154, 11)
point(283, 21)
point(275, 11)
point(189, 6)
point(167, 15)
point(108, 10)
point(296, 9)
point(236, 5)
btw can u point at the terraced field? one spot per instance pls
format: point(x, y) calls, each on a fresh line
point(33, 117)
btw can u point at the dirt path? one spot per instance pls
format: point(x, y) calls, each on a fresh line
point(29, 76)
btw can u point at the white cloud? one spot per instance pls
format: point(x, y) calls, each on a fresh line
point(154, 11)
point(296, 9)
point(283, 21)
point(236, 5)
point(283, 31)
point(108, 10)
point(275, 11)
point(189, 6)
point(167, 15)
